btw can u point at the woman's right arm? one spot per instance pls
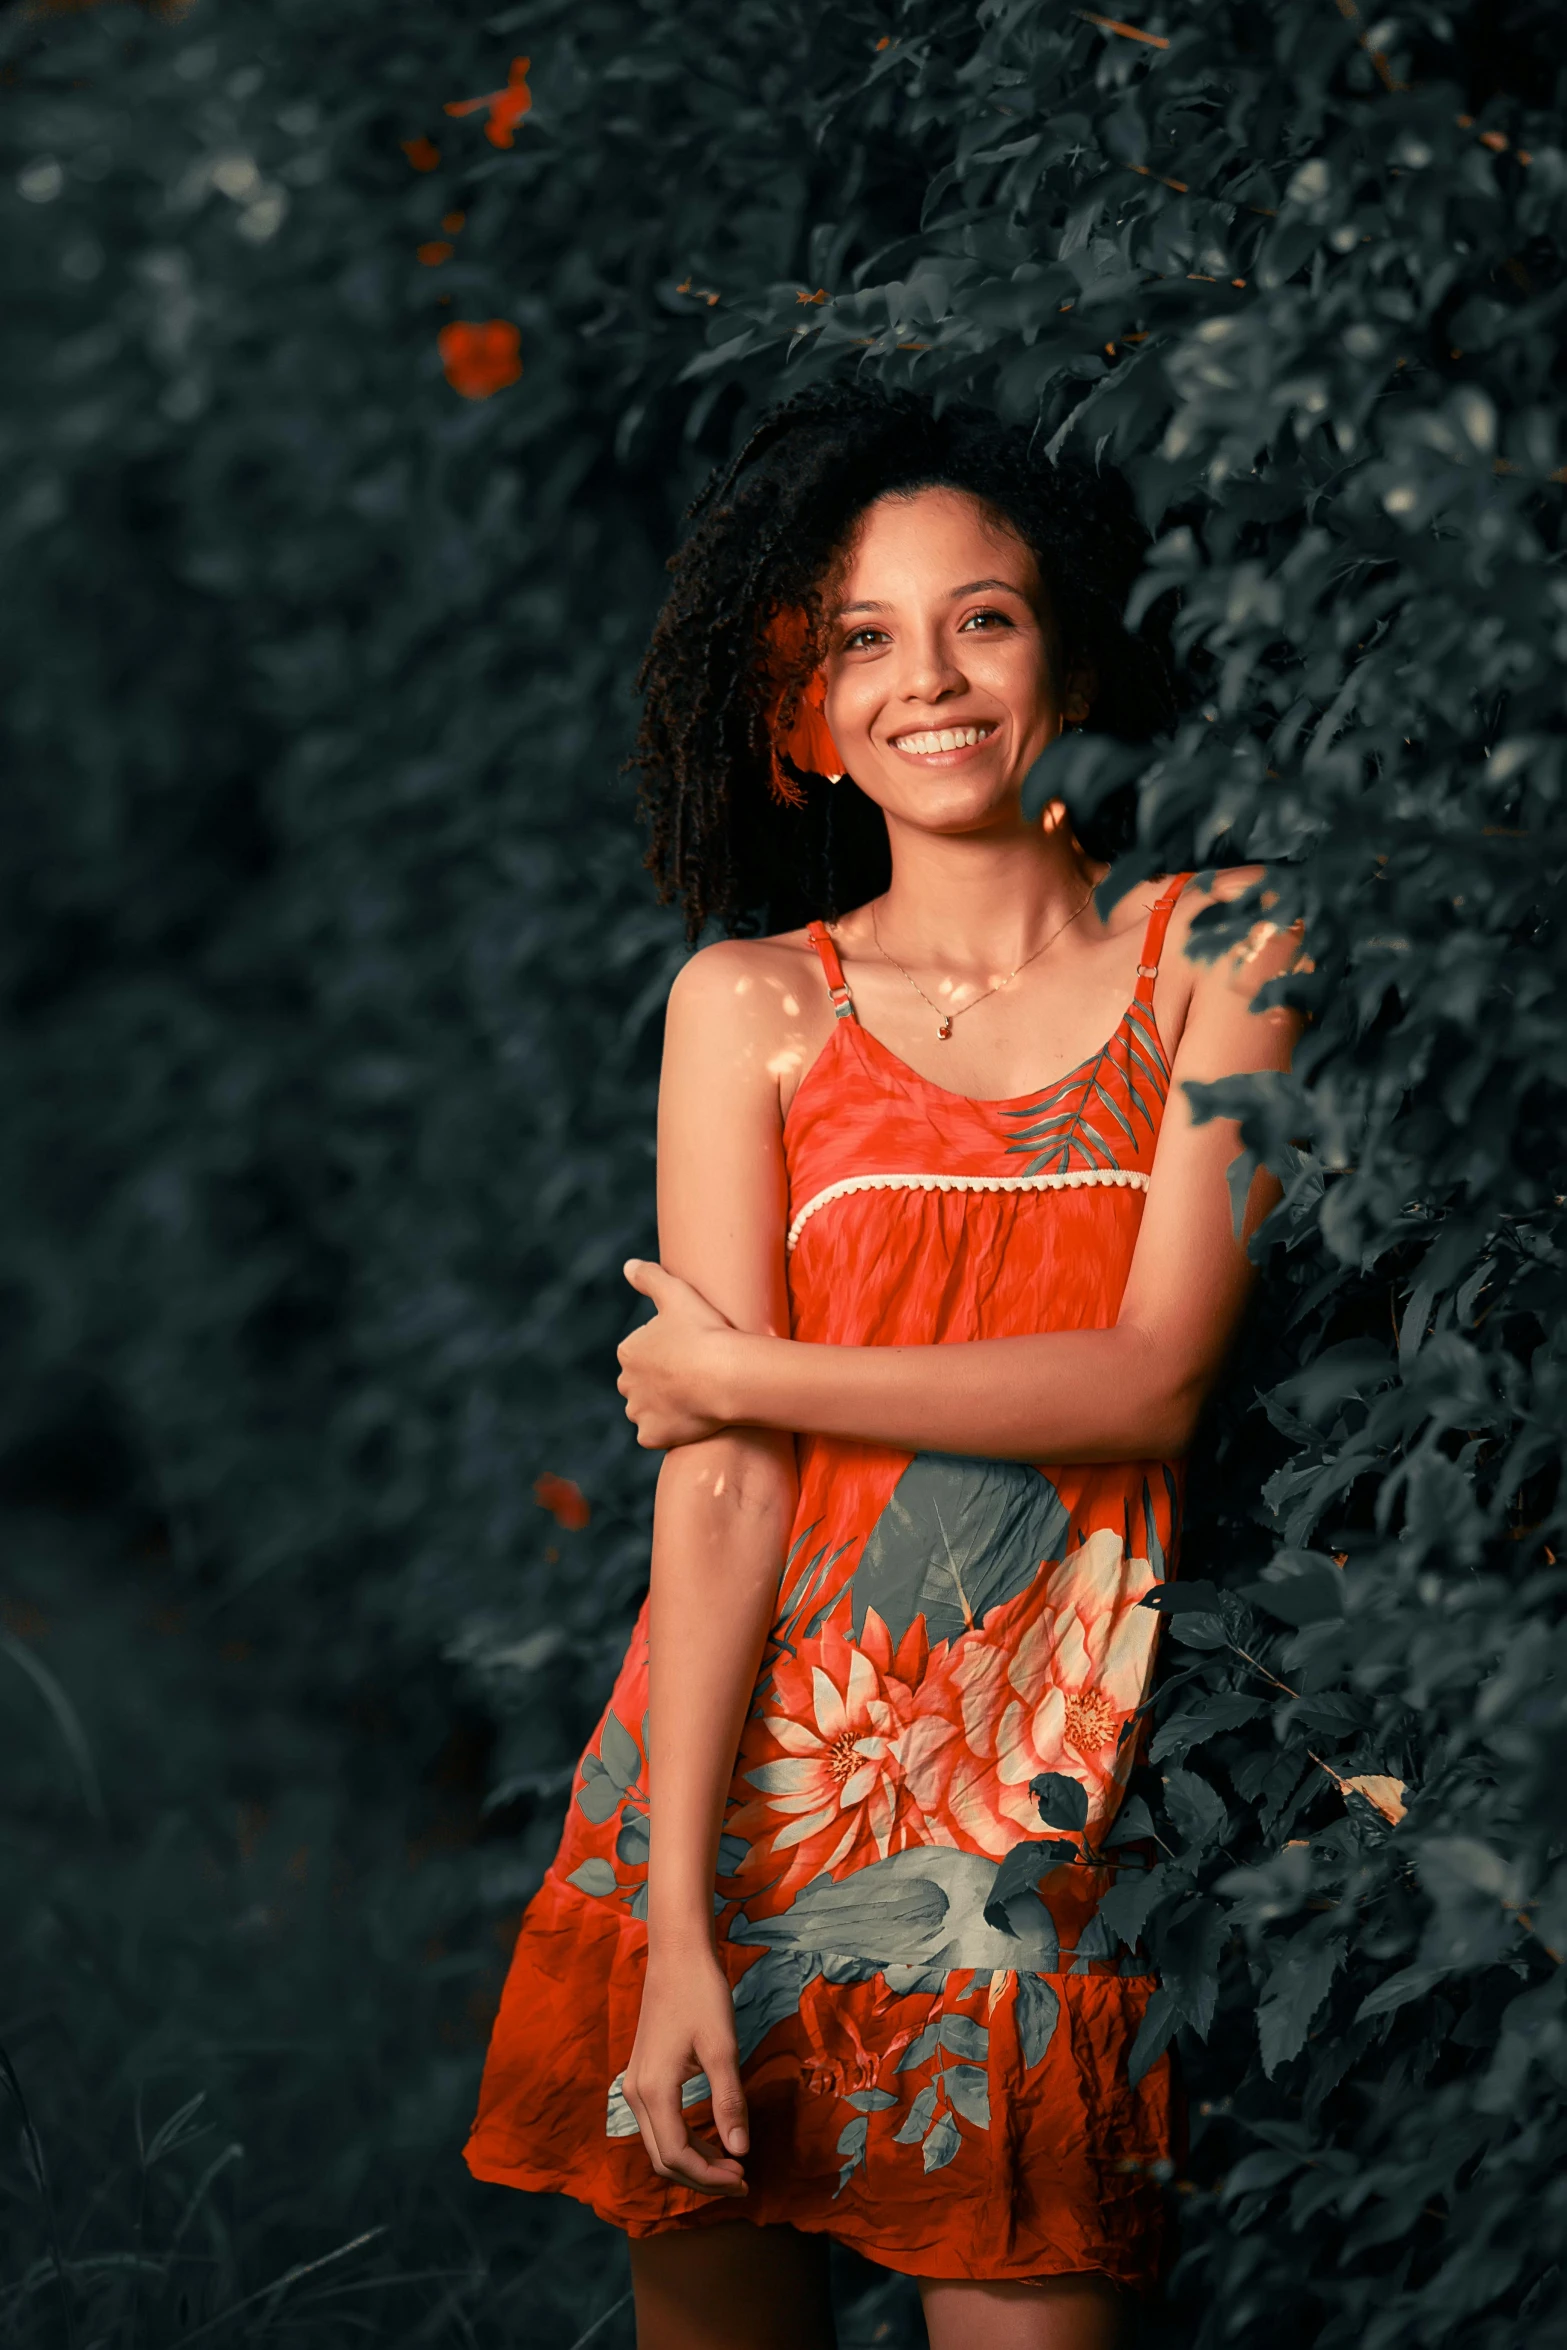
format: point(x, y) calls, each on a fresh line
point(720, 1529)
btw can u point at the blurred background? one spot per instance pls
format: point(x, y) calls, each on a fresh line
point(361, 360)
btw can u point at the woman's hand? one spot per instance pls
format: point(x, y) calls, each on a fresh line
point(686, 2027)
point(669, 1367)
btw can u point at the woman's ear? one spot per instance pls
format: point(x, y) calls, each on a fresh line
point(1079, 700)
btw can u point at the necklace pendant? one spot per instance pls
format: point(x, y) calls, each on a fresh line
point(945, 1030)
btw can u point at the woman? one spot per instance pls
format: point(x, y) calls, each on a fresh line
point(947, 1270)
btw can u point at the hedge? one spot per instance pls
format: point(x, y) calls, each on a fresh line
point(364, 365)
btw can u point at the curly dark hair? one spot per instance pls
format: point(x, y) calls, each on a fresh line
point(769, 531)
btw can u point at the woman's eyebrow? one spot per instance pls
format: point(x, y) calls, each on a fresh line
point(970, 587)
point(973, 586)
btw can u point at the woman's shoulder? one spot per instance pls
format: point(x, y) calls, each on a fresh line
point(1262, 952)
point(758, 984)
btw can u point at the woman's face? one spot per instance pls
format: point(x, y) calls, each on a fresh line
point(942, 684)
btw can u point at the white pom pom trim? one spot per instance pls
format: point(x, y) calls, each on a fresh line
point(1130, 1179)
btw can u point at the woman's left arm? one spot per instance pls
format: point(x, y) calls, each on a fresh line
point(1129, 1392)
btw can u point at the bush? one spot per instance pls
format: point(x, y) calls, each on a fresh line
point(332, 994)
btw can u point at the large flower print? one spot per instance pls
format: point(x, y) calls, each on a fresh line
point(1044, 1685)
point(828, 1792)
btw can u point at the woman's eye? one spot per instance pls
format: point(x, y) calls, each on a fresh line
point(859, 638)
point(978, 620)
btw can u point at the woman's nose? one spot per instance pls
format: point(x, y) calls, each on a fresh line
point(931, 671)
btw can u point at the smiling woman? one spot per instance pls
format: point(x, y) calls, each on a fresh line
point(746, 828)
point(940, 1299)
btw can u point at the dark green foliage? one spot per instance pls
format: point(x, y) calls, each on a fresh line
point(330, 1017)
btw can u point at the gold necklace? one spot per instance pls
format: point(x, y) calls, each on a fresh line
point(944, 1020)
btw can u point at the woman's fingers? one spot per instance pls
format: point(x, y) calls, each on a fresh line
point(649, 1280)
point(673, 2152)
point(730, 2118)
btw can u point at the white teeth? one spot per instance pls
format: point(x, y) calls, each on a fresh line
point(946, 738)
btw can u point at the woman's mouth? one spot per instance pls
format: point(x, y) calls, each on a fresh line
point(944, 742)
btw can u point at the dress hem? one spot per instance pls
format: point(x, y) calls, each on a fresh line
point(1033, 2269)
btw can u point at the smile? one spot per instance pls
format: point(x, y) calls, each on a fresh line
point(930, 742)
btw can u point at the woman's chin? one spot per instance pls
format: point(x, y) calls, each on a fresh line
point(953, 805)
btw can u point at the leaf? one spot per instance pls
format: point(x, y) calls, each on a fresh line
point(964, 2037)
point(631, 1845)
point(1126, 1908)
point(1020, 1872)
point(1196, 1612)
point(1300, 1588)
point(597, 1796)
point(1133, 1823)
point(1189, 1951)
point(918, 2119)
point(177, 2131)
point(1154, 2035)
point(732, 1852)
point(870, 2101)
point(767, 1994)
point(1411, 1982)
point(595, 1877)
point(1295, 1991)
point(923, 1908)
point(1038, 2012)
point(942, 2142)
point(887, 1911)
point(1198, 1814)
point(851, 2138)
point(969, 2089)
point(840, 1967)
point(66, 1720)
point(1062, 1801)
point(957, 1538)
point(1452, 1867)
point(620, 1754)
point(1254, 2173)
point(1207, 1717)
point(1384, 1794)
point(920, 2049)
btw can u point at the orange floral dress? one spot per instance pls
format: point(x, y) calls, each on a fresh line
point(933, 2036)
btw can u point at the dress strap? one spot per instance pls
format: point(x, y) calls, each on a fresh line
point(837, 985)
point(1153, 938)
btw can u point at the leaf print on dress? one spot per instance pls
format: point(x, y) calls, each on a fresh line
point(1093, 1110)
point(1044, 1687)
point(921, 1908)
point(606, 1775)
point(957, 1538)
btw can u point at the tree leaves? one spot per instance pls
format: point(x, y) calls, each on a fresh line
point(343, 867)
point(1292, 1996)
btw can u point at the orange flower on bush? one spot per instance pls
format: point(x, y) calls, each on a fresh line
point(435, 252)
point(480, 356)
point(422, 153)
point(565, 1501)
point(507, 107)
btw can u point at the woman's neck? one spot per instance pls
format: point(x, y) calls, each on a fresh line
point(982, 901)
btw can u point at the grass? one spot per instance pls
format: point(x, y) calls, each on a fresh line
point(253, 1932)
